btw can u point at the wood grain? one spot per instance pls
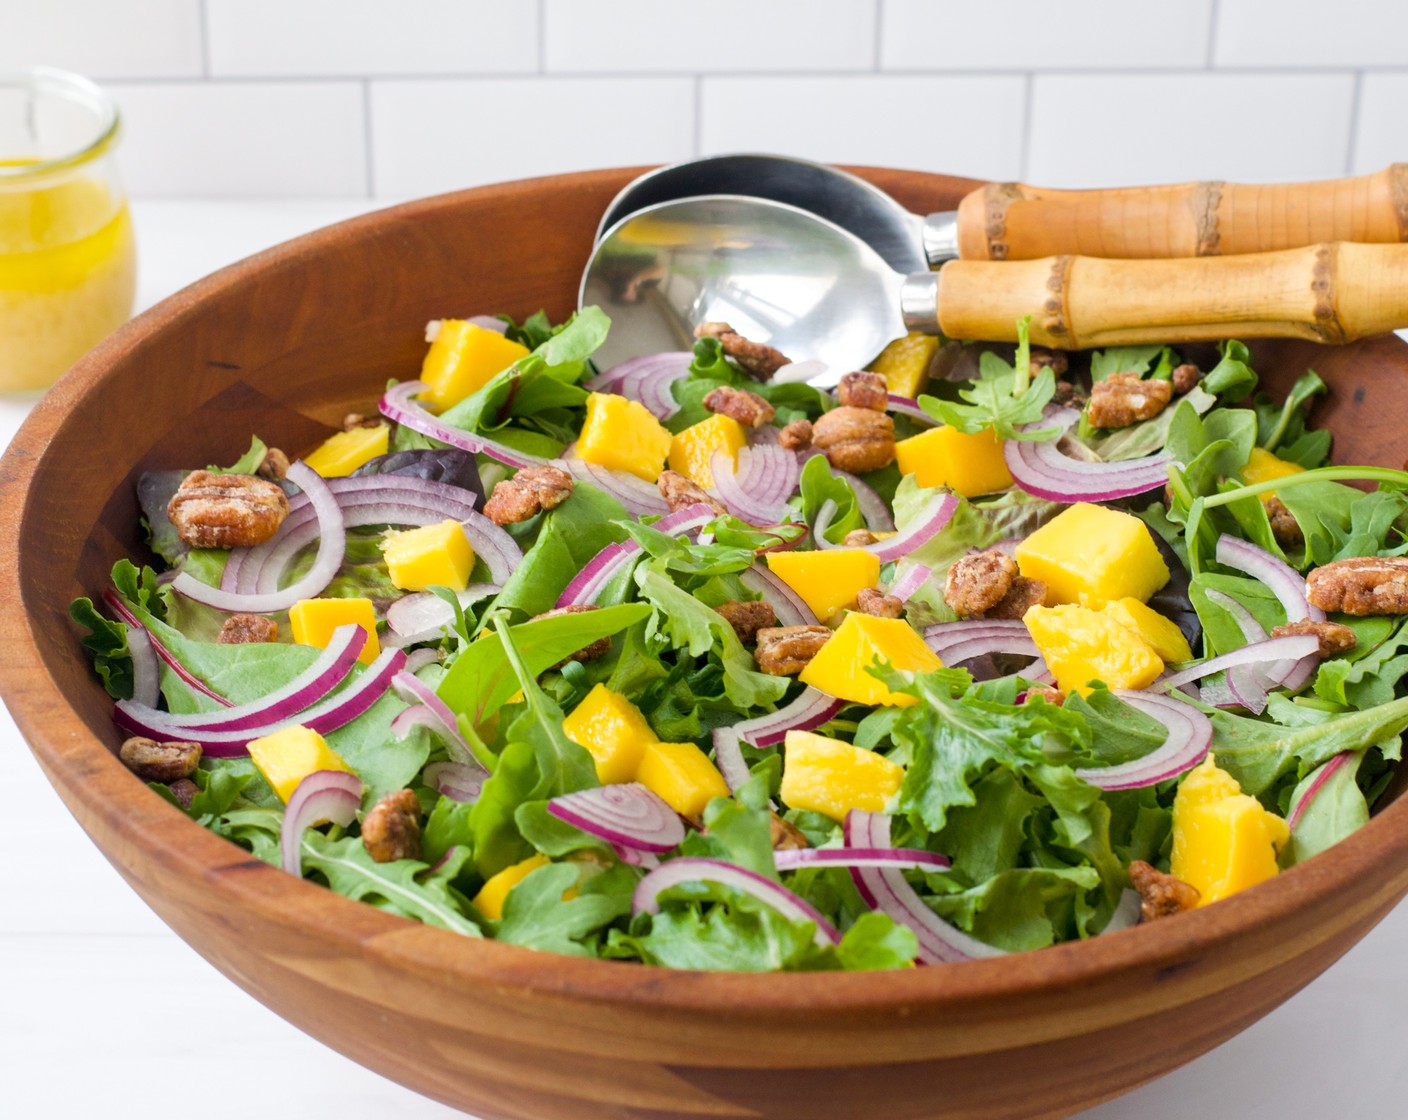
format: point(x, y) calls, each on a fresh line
point(284, 344)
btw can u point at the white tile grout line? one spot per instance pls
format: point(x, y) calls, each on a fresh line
point(1213, 14)
point(204, 17)
point(1351, 148)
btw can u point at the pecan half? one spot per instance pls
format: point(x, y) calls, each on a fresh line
point(786, 836)
point(1284, 527)
point(1054, 360)
point(859, 538)
point(758, 360)
point(1046, 692)
point(226, 510)
point(872, 600)
point(1023, 596)
point(977, 582)
point(1069, 394)
point(785, 650)
point(746, 407)
point(247, 629)
point(1123, 399)
point(1334, 637)
point(1161, 893)
point(747, 618)
point(1185, 377)
point(159, 762)
point(864, 389)
point(530, 491)
point(796, 435)
point(275, 465)
point(184, 791)
point(680, 492)
point(1361, 585)
point(599, 648)
point(856, 439)
point(354, 420)
point(391, 831)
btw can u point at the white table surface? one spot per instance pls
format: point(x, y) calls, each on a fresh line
point(104, 1011)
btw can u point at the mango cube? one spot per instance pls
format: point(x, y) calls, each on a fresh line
point(905, 363)
point(830, 777)
point(462, 360)
point(314, 620)
point(290, 754)
point(623, 436)
point(682, 775)
point(343, 452)
point(1162, 634)
point(862, 640)
point(1081, 645)
point(1090, 554)
point(1263, 465)
point(1223, 839)
point(692, 449)
point(613, 731)
point(431, 556)
point(826, 579)
point(494, 893)
point(969, 464)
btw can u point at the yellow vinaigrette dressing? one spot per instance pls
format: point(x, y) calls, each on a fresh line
point(67, 275)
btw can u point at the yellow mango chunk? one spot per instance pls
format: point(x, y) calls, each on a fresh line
point(1162, 634)
point(830, 777)
point(1090, 554)
point(313, 621)
point(1082, 645)
point(1223, 839)
point(462, 360)
point(290, 754)
point(691, 449)
point(343, 452)
point(905, 363)
point(863, 640)
point(494, 893)
point(431, 556)
point(623, 436)
point(969, 464)
point(682, 775)
point(1263, 465)
point(613, 731)
point(826, 579)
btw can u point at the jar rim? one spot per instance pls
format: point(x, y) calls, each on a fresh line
point(78, 90)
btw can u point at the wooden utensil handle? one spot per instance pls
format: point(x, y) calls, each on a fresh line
point(1012, 221)
point(1326, 293)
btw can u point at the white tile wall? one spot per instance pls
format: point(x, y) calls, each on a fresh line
point(359, 97)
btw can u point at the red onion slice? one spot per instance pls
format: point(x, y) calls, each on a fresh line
point(937, 513)
point(1292, 646)
point(757, 492)
point(423, 616)
point(602, 568)
point(799, 371)
point(146, 672)
point(444, 723)
point(628, 814)
point(1325, 772)
point(418, 659)
point(886, 890)
point(455, 780)
point(728, 757)
point(647, 379)
point(398, 404)
point(639, 497)
point(1252, 630)
point(908, 406)
point(871, 505)
point(900, 859)
point(1126, 914)
point(810, 709)
point(488, 323)
point(789, 607)
point(1042, 470)
point(1283, 581)
point(1187, 743)
point(698, 869)
point(1248, 687)
point(324, 795)
point(120, 608)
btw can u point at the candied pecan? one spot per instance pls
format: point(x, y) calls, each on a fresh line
point(274, 466)
point(1069, 394)
point(681, 492)
point(246, 629)
point(1185, 377)
point(1335, 637)
point(1123, 399)
point(159, 762)
point(871, 600)
point(1046, 692)
point(599, 648)
point(856, 439)
point(747, 618)
point(786, 836)
point(1162, 894)
point(1284, 527)
point(530, 491)
point(391, 831)
point(859, 538)
point(785, 650)
point(796, 435)
point(757, 359)
point(864, 389)
point(1361, 585)
point(1054, 360)
point(226, 510)
point(1024, 595)
point(184, 791)
point(740, 404)
point(354, 420)
point(977, 582)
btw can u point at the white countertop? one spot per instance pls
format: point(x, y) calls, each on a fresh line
point(106, 1012)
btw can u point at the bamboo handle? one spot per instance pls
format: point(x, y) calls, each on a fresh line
point(1325, 293)
point(1012, 221)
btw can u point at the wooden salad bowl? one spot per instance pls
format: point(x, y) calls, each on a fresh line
point(287, 342)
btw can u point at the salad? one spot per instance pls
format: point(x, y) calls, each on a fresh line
point(692, 663)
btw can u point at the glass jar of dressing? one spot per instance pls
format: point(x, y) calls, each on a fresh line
point(67, 264)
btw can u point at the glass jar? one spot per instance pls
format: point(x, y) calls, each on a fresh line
point(67, 262)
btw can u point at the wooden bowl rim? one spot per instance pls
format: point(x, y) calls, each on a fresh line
point(81, 767)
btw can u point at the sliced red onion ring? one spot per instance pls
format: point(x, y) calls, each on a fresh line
point(1292, 647)
point(789, 607)
point(324, 795)
point(728, 757)
point(146, 673)
point(423, 616)
point(489, 323)
point(937, 512)
point(871, 505)
point(912, 580)
point(885, 889)
point(1284, 581)
point(398, 404)
point(1127, 912)
point(698, 869)
point(900, 859)
point(444, 723)
point(647, 379)
point(908, 406)
point(120, 608)
point(1252, 630)
point(418, 659)
point(811, 709)
point(332, 545)
point(455, 780)
point(757, 491)
point(798, 371)
point(602, 568)
point(628, 815)
point(1042, 470)
point(636, 858)
point(1325, 772)
point(1187, 743)
point(639, 497)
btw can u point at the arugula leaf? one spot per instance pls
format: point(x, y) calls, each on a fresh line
point(139, 587)
point(1133, 359)
point(247, 463)
point(1287, 422)
point(818, 485)
point(876, 941)
point(539, 916)
point(1020, 908)
point(711, 369)
point(106, 643)
point(1338, 809)
point(1232, 378)
point(1369, 673)
point(994, 403)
